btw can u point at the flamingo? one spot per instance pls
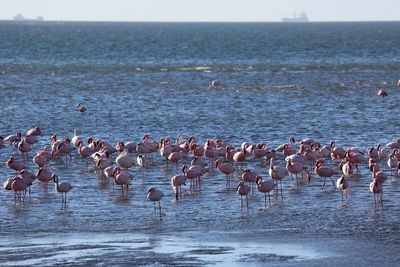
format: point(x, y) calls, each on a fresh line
point(122, 178)
point(75, 139)
point(19, 186)
point(240, 156)
point(243, 190)
point(265, 186)
point(34, 131)
point(227, 169)
point(124, 160)
point(65, 147)
point(15, 164)
point(296, 168)
point(337, 152)
point(193, 173)
point(63, 188)
point(176, 157)
point(392, 162)
point(346, 167)
point(176, 182)
point(24, 147)
point(277, 173)
point(81, 108)
point(375, 187)
point(214, 84)
point(342, 184)
point(288, 148)
point(39, 160)
point(84, 151)
point(382, 93)
point(380, 176)
point(44, 176)
point(155, 195)
point(325, 172)
point(393, 145)
point(249, 176)
point(13, 137)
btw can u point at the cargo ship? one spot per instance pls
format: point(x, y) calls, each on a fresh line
point(302, 18)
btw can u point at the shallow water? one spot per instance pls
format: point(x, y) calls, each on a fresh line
point(260, 101)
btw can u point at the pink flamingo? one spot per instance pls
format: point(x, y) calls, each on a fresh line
point(193, 175)
point(175, 157)
point(380, 176)
point(346, 167)
point(176, 182)
point(376, 188)
point(81, 108)
point(356, 158)
point(337, 152)
point(124, 160)
point(65, 148)
point(122, 178)
point(155, 195)
point(288, 148)
point(34, 131)
point(13, 137)
point(297, 168)
point(24, 147)
point(243, 190)
point(392, 162)
point(45, 153)
point(210, 150)
point(240, 156)
point(227, 169)
point(63, 188)
point(84, 151)
point(197, 150)
point(325, 172)
point(265, 186)
point(28, 177)
point(165, 149)
point(383, 153)
point(342, 184)
point(249, 176)
point(39, 160)
point(19, 186)
point(393, 145)
point(16, 165)
point(277, 173)
point(382, 93)
point(44, 176)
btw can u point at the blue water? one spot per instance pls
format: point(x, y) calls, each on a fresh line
point(313, 80)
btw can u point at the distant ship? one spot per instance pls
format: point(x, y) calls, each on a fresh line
point(20, 17)
point(302, 18)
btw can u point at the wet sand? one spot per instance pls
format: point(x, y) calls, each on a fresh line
point(103, 249)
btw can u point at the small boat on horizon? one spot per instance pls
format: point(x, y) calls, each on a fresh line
point(20, 17)
point(302, 18)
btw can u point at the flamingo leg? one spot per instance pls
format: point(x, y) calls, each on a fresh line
point(333, 183)
point(323, 184)
point(159, 205)
point(247, 202)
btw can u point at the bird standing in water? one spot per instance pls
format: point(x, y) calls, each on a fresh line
point(155, 195)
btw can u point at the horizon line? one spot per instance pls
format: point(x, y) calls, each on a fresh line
point(196, 21)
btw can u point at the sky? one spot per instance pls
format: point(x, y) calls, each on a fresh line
point(201, 10)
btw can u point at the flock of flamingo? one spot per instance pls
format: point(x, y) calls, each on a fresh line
point(114, 162)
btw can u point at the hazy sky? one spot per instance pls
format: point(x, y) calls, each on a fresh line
point(201, 10)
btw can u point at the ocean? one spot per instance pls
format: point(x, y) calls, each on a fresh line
point(278, 80)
